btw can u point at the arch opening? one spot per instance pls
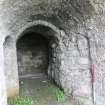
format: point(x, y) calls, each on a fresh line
point(38, 61)
point(37, 49)
point(32, 54)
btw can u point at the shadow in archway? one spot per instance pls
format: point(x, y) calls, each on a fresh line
point(35, 57)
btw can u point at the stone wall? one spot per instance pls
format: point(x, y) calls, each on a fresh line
point(10, 67)
point(3, 95)
point(81, 32)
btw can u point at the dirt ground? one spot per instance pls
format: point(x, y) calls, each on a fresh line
point(41, 91)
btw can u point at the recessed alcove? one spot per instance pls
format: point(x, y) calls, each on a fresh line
point(32, 54)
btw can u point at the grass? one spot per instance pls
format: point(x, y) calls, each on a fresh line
point(43, 94)
point(60, 96)
point(21, 101)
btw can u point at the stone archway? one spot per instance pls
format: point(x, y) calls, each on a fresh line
point(38, 53)
point(49, 37)
point(53, 37)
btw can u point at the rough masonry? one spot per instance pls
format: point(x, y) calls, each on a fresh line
point(75, 31)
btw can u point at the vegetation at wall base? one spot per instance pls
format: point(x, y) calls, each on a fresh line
point(21, 101)
point(60, 96)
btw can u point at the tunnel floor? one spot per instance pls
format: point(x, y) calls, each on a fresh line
point(41, 90)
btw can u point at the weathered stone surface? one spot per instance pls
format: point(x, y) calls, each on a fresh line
point(78, 27)
point(3, 95)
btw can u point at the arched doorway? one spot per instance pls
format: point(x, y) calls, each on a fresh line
point(32, 55)
point(50, 37)
point(38, 48)
point(38, 61)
